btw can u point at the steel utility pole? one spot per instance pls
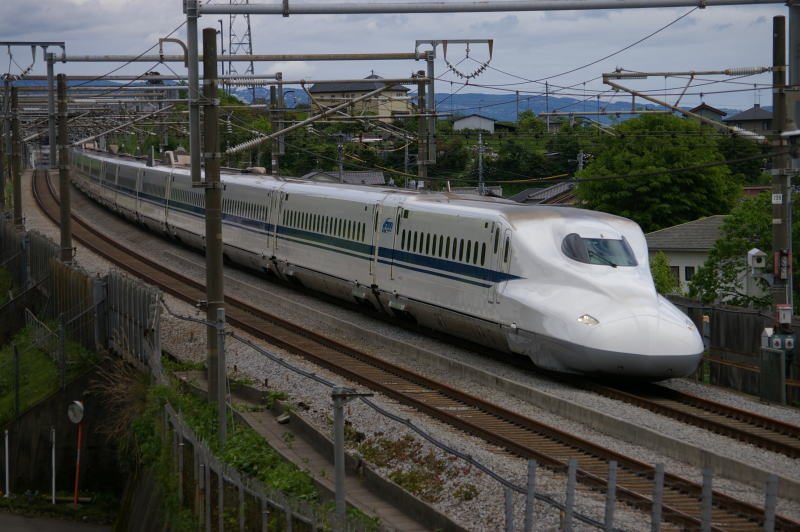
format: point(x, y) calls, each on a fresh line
point(63, 170)
point(422, 133)
point(214, 271)
point(51, 110)
point(781, 231)
point(16, 159)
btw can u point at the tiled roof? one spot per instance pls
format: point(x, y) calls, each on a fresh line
point(475, 114)
point(698, 235)
point(364, 86)
point(705, 106)
point(754, 113)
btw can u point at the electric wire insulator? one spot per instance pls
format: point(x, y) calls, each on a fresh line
point(746, 71)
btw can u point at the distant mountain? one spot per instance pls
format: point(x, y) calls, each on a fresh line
point(501, 107)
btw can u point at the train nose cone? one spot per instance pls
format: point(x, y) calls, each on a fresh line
point(650, 346)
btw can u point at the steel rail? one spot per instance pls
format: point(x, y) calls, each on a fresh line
point(495, 424)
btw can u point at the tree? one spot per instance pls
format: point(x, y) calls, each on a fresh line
point(665, 281)
point(651, 143)
point(722, 276)
point(750, 172)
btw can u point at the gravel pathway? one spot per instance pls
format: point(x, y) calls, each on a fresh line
point(486, 510)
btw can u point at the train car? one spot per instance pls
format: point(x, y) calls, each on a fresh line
point(569, 288)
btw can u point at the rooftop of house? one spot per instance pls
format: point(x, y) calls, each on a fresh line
point(705, 107)
point(754, 113)
point(550, 194)
point(477, 115)
point(697, 235)
point(369, 84)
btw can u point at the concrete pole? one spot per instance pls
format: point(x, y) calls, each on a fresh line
point(422, 134)
point(273, 120)
point(51, 109)
point(190, 7)
point(781, 232)
point(340, 398)
point(214, 271)
point(431, 108)
point(63, 170)
point(16, 154)
point(481, 187)
point(2, 166)
point(794, 46)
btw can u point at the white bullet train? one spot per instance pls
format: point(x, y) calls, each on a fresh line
point(569, 288)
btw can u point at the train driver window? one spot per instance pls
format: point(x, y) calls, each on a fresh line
point(607, 251)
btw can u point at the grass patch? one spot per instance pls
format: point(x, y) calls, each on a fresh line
point(38, 372)
point(101, 510)
point(425, 474)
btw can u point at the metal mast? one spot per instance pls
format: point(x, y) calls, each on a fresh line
point(240, 41)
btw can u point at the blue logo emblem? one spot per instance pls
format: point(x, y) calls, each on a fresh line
point(387, 226)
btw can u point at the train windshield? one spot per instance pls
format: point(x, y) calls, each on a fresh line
point(598, 250)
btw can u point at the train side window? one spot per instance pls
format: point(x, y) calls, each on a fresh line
point(414, 248)
point(454, 250)
point(461, 250)
point(441, 240)
point(427, 243)
point(475, 253)
point(483, 253)
point(496, 239)
point(447, 248)
point(507, 249)
point(469, 249)
point(403, 240)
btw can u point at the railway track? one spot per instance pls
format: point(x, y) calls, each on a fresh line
point(504, 428)
point(764, 432)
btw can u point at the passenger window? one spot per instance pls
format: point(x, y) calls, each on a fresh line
point(441, 239)
point(475, 254)
point(507, 249)
point(414, 249)
point(483, 253)
point(427, 243)
point(461, 250)
point(403, 241)
point(496, 239)
point(469, 249)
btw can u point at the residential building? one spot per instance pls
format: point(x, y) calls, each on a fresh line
point(474, 121)
point(391, 102)
point(706, 111)
point(558, 194)
point(686, 245)
point(755, 119)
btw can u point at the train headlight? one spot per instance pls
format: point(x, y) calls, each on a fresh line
point(588, 320)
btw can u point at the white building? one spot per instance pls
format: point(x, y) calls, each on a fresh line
point(474, 122)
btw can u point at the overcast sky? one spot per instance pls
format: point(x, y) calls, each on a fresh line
point(531, 45)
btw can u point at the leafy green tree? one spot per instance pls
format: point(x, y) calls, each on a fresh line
point(665, 282)
point(651, 143)
point(722, 276)
point(748, 172)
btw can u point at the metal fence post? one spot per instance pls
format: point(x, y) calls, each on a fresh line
point(62, 352)
point(611, 495)
point(530, 498)
point(99, 286)
point(16, 381)
point(658, 493)
point(707, 486)
point(509, 511)
point(570, 503)
point(770, 500)
point(53, 465)
point(339, 400)
point(7, 463)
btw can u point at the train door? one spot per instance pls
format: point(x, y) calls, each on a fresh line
point(377, 228)
point(389, 214)
point(501, 254)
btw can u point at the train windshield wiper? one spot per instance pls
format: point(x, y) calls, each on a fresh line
point(595, 254)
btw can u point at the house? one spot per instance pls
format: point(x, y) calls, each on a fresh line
point(393, 101)
point(706, 111)
point(686, 245)
point(351, 177)
point(755, 119)
point(474, 121)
